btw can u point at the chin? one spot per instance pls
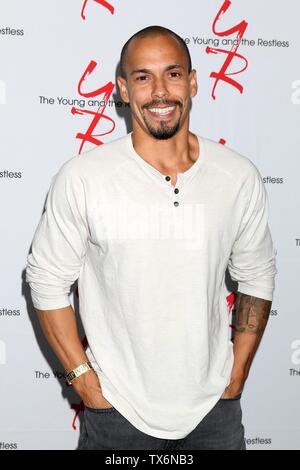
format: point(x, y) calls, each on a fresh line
point(164, 134)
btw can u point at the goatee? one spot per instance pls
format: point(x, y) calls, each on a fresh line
point(163, 132)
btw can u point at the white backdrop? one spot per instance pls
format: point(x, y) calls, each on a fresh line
point(47, 116)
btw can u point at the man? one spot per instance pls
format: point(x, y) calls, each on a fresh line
point(148, 224)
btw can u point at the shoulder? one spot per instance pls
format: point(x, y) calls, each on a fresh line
point(228, 162)
point(100, 161)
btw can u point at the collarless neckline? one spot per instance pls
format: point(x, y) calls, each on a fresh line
point(183, 176)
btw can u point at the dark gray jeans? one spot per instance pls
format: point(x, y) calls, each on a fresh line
point(107, 429)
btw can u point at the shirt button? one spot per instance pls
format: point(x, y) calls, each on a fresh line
point(176, 203)
point(176, 190)
point(167, 178)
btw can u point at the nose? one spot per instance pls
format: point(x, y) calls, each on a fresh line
point(159, 88)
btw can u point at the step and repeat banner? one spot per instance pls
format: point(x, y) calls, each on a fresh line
point(58, 99)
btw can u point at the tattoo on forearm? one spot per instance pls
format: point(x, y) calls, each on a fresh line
point(252, 314)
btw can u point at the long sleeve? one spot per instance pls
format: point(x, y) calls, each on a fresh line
point(59, 242)
point(253, 258)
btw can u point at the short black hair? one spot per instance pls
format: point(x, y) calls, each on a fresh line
point(154, 31)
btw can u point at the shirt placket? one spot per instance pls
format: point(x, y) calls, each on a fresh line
point(175, 191)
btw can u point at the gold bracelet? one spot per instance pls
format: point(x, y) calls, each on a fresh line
point(82, 369)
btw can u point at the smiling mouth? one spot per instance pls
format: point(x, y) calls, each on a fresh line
point(162, 112)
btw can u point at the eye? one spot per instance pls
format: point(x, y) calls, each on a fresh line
point(175, 74)
point(142, 78)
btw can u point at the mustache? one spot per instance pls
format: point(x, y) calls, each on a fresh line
point(157, 103)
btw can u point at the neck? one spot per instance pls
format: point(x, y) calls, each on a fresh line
point(176, 153)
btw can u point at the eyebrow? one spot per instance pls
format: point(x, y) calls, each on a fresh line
point(169, 67)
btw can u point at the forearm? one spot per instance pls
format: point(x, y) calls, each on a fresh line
point(252, 314)
point(60, 329)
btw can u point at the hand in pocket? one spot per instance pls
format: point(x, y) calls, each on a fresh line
point(89, 389)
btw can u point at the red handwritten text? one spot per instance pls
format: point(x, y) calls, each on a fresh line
point(104, 3)
point(97, 115)
point(223, 75)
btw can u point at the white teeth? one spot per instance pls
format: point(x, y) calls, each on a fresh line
point(162, 111)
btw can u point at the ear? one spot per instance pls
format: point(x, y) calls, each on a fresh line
point(122, 84)
point(193, 83)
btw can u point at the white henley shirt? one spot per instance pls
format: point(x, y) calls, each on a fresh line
point(150, 260)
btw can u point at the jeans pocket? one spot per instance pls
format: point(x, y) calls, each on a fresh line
point(100, 410)
point(238, 397)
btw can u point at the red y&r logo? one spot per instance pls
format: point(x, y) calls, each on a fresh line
point(231, 298)
point(97, 115)
point(232, 54)
point(104, 3)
